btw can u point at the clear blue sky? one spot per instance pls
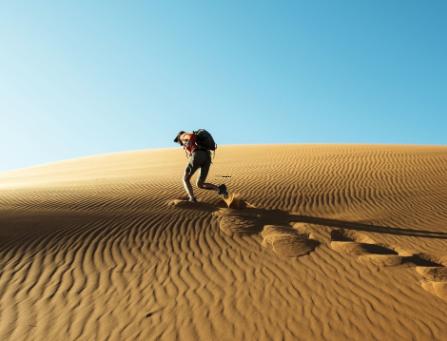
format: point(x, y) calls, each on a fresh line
point(86, 77)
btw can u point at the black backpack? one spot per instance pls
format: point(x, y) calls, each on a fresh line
point(204, 140)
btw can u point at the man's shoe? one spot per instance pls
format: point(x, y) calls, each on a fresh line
point(223, 190)
point(192, 199)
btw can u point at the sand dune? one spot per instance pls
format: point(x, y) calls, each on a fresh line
point(327, 242)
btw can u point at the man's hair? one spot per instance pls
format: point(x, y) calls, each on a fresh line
point(177, 138)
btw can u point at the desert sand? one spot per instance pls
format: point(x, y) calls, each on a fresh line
point(321, 242)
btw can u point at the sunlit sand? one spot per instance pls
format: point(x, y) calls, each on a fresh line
point(315, 242)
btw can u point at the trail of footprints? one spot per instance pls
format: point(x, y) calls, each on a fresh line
point(295, 240)
point(366, 249)
point(283, 240)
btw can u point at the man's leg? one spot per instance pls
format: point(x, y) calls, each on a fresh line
point(207, 185)
point(203, 174)
point(188, 187)
point(221, 189)
point(189, 171)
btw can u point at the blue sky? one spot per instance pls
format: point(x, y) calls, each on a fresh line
point(88, 77)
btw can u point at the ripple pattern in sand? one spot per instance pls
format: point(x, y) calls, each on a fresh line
point(103, 256)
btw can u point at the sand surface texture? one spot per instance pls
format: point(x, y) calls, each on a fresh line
point(319, 242)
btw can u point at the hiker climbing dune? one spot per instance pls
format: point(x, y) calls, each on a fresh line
point(198, 146)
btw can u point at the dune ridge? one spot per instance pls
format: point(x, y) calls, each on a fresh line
point(325, 242)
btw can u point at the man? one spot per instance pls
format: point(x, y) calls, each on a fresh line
point(199, 157)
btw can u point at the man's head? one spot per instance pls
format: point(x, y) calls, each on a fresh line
point(177, 138)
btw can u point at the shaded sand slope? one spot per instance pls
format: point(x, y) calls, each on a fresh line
point(339, 242)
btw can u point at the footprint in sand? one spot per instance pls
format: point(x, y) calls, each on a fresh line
point(434, 275)
point(238, 217)
point(234, 221)
point(286, 241)
point(363, 247)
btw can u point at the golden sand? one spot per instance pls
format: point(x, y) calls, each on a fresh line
point(327, 242)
